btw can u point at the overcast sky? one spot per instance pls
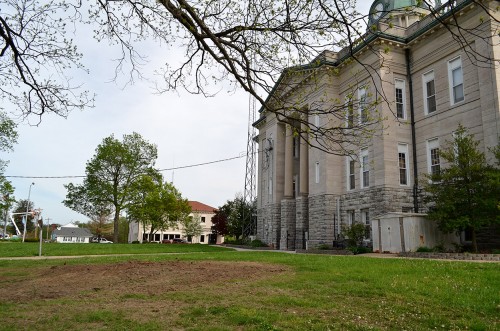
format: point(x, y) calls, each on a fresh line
point(188, 129)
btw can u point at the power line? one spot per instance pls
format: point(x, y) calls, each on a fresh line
point(242, 154)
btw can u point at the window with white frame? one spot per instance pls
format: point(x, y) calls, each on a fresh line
point(434, 165)
point(365, 218)
point(316, 120)
point(456, 78)
point(400, 95)
point(349, 111)
point(429, 93)
point(403, 164)
point(317, 172)
point(365, 168)
point(363, 111)
point(351, 179)
point(350, 217)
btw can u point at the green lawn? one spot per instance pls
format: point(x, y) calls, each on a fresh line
point(309, 292)
point(18, 249)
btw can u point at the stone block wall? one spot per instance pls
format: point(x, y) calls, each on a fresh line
point(378, 200)
point(288, 225)
point(322, 210)
point(302, 221)
point(269, 225)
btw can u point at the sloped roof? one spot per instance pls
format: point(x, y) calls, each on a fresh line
point(198, 206)
point(72, 232)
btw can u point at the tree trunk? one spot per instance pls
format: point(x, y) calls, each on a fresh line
point(116, 223)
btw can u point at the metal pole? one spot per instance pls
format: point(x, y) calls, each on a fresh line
point(40, 222)
point(27, 210)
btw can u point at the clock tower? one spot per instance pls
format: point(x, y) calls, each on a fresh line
point(402, 12)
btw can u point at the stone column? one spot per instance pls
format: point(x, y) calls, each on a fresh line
point(304, 163)
point(288, 194)
point(302, 201)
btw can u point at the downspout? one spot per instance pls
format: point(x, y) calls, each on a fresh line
point(413, 135)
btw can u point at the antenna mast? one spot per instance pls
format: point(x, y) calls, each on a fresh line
point(249, 195)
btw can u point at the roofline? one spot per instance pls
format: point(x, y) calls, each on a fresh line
point(371, 36)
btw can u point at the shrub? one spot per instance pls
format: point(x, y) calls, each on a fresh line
point(136, 242)
point(323, 247)
point(257, 243)
point(354, 234)
point(359, 250)
point(31, 240)
point(424, 249)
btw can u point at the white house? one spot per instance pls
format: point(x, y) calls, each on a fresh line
point(71, 233)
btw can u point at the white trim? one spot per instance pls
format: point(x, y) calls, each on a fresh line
point(455, 64)
point(400, 84)
point(403, 149)
point(348, 173)
point(426, 78)
point(431, 144)
point(365, 167)
point(362, 106)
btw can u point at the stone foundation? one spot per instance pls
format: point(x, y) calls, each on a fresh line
point(322, 218)
point(288, 224)
point(302, 221)
point(269, 225)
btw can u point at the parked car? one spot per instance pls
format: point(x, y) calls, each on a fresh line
point(101, 241)
point(174, 241)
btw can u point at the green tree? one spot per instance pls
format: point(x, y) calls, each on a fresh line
point(191, 226)
point(6, 201)
point(156, 205)
point(111, 175)
point(464, 195)
point(232, 217)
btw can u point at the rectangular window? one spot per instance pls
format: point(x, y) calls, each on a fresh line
point(350, 217)
point(317, 172)
point(365, 218)
point(350, 174)
point(433, 156)
point(400, 98)
point(350, 112)
point(403, 164)
point(295, 146)
point(363, 111)
point(429, 93)
point(202, 238)
point(456, 79)
point(365, 168)
point(203, 219)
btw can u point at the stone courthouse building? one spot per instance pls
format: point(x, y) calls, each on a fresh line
point(409, 72)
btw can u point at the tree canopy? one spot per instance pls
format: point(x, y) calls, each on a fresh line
point(157, 205)
point(235, 44)
point(111, 175)
point(230, 219)
point(465, 193)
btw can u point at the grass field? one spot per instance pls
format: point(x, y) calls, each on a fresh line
point(227, 290)
point(18, 249)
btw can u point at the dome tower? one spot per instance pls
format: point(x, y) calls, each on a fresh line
point(398, 12)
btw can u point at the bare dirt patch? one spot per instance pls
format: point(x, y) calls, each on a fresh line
point(133, 278)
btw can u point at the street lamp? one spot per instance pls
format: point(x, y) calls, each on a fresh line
point(27, 210)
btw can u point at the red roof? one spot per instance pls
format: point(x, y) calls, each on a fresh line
point(198, 206)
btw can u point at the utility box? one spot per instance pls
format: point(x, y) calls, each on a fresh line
point(406, 232)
